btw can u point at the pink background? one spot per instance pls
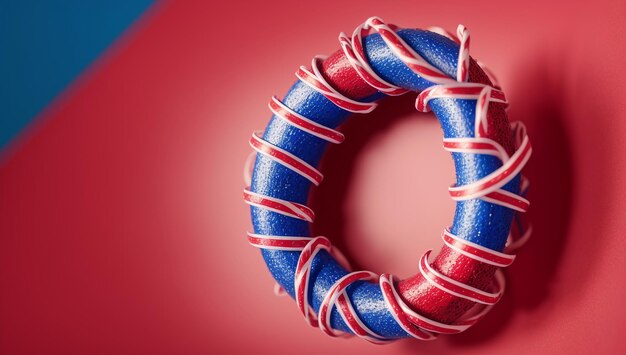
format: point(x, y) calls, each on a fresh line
point(122, 220)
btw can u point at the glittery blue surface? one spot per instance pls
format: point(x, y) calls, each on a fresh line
point(475, 220)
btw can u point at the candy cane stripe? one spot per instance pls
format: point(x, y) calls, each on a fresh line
point(496, 179)
point(303, 271)
point(285, 158)
point(393, 303)
point(283, 207)
point(454, 287)
point(273, 242)
point(317, 82)
point(507, 199)
point(463, 59)
point(354, 52)
point(467, 91)
point(303, 123)
point(475, 251)
point(336, 295)
point(476, 146)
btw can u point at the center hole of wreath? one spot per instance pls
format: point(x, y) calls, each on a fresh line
point(384, 199)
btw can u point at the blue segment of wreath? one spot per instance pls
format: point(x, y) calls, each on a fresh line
point(273, 179)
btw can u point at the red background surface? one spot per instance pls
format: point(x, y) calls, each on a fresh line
point(122, 228)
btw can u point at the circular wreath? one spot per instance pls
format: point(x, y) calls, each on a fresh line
point(454, 290)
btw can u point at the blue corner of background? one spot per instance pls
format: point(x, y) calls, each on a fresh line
point(45, 45)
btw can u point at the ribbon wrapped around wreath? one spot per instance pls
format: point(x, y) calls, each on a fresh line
point(463, 281)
